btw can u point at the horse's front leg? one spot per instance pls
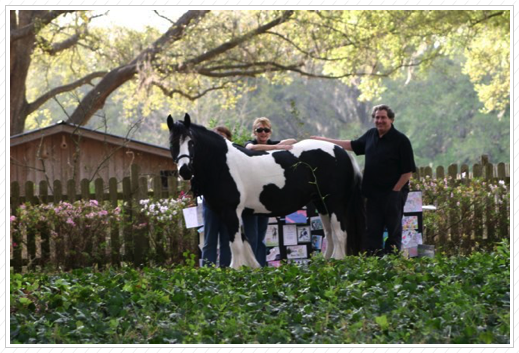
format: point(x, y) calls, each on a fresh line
point(241, 250)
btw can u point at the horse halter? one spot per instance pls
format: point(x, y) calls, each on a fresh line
point(183, 156)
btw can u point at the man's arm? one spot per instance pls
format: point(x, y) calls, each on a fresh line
point(404, 178)
point(346, 144)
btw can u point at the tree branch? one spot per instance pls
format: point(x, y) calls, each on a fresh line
point(96, 98)
point(234, 43)
point(66, 88)
point(486, 18)
point(66, 44)
point(41, 19)
point(170, 92)
point(249, 70)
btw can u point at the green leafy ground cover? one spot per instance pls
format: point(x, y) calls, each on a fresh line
point(464, 299)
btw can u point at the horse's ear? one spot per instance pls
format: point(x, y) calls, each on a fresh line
point(187, 120)
point(170, 122)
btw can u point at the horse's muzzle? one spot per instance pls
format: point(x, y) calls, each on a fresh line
point(185, 172)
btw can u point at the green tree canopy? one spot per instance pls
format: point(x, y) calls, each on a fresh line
point(212, 52)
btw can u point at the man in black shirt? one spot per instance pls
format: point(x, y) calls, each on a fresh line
point(385, 184)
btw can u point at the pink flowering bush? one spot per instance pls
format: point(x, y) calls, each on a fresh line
point(77, 230)
point(471, 213)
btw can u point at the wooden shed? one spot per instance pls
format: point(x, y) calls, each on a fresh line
point(64, 151)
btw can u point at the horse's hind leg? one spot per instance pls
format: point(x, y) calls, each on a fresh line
point(325, 219)
point(339, 238)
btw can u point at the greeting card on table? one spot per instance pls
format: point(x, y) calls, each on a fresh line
point(317, 241)
point(303, 235)
point(414, 202)
point(409, 222)
point(272, 236)
point(297, 252)
point(316, 223)
point(289, 234)
point(298, 217)
point(274, 254)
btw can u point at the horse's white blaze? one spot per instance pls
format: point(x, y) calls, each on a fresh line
point(250, 181)
point(183, 150)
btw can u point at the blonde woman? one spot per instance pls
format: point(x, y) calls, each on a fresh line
point(261, 131)
point(255, 227)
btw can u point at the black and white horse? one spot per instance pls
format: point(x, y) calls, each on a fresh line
point(275, 183)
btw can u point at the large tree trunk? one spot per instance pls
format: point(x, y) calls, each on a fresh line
point(20, 60)
point(24, 25)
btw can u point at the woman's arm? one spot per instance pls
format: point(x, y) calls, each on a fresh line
point(259, 147)
point(287, 142)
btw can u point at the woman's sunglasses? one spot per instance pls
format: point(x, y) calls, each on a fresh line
point(261, 129)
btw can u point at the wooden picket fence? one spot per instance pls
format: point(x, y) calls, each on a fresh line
point(131, 246)
point(125, 243)
point(485, 170)
point(469, 225)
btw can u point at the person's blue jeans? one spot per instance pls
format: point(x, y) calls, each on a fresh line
point(255, 228)
point(214, 231)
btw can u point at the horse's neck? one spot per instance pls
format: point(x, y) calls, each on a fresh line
point(206, 163)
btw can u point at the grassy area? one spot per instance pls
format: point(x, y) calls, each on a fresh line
point(357, 300)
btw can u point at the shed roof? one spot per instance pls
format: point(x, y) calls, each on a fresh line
point(63, 126)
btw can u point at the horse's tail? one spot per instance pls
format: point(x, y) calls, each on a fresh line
point(356, 214)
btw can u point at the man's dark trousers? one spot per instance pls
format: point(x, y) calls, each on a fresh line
point(385, 211)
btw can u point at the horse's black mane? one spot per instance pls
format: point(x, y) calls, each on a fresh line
point(196, 131)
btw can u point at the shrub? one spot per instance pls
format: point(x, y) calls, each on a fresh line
point(358, 300)
point(77, 229)
point(163, 220)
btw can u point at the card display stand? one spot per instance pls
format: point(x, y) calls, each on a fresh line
point(292, 231)
point(412, 224)
point(294, 237)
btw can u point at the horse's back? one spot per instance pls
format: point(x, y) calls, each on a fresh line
point(306, 145)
